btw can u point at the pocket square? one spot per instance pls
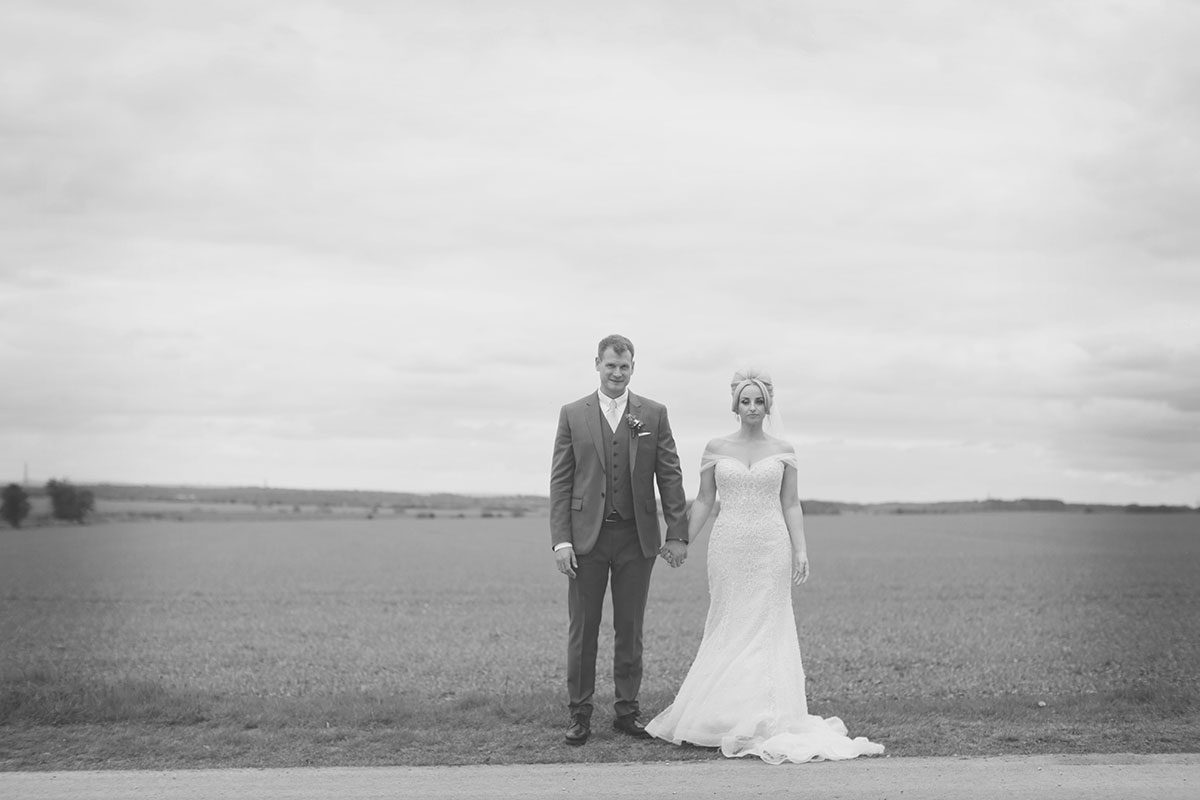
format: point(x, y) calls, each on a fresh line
point(643, 433)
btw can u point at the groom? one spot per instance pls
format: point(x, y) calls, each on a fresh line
point(610, 448)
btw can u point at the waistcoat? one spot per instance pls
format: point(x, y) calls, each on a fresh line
point(618, 494)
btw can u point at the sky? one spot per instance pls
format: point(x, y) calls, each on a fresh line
point(373, 245)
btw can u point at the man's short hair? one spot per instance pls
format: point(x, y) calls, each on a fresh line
point(617, 342)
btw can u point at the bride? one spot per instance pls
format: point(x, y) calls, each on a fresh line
point(744, 691)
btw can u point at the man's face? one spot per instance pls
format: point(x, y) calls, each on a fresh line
point(615, 371)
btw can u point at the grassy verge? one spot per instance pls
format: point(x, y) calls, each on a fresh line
point(46, 723)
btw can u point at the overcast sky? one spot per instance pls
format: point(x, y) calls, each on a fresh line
point(373, 244)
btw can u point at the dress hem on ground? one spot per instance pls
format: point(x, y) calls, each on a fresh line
point(814, 739)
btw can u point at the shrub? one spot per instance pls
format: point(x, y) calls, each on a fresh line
point(15, 505)
point(68, 502)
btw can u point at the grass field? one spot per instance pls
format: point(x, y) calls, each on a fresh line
point(413, 641)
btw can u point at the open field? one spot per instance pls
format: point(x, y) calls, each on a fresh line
point(415, 641)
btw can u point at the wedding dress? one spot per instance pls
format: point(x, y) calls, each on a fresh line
point(744, 692)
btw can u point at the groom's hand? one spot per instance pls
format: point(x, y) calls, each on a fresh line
point(565, 557)
point(675, 552)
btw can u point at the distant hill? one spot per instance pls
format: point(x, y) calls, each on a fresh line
point(978, 506)
point(263, 496)
point(538, 504)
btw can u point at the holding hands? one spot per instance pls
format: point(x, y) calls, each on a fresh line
point(674, 552)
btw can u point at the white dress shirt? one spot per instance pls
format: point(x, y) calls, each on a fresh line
point(614, 419)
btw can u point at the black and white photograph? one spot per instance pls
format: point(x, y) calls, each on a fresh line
point(559, 399)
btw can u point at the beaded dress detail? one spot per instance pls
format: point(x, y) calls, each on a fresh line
point(744, 692)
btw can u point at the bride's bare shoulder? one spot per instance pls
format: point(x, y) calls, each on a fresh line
point(781, 446)
point(721, 445)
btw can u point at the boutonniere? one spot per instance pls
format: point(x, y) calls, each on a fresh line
point(635, 426)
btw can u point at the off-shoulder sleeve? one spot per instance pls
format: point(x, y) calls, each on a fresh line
point(789, 459)
point(708, 459)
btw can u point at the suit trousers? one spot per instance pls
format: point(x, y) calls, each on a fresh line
point(616, 556)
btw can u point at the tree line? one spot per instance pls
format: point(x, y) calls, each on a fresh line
point(67, 502)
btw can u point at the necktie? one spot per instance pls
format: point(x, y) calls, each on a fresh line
point(611, 413)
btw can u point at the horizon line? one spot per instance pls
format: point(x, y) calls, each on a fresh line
point(485, 495)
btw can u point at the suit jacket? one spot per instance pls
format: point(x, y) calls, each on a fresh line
point(577, 478)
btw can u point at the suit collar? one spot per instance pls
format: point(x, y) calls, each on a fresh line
point(592, 399)
point(594, 424)
point(601, 398)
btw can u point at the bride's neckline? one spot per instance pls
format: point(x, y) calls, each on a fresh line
point(752, 464)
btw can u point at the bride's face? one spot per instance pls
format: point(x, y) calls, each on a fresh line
point(751, 405)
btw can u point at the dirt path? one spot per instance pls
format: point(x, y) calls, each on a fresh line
point(1096, 777)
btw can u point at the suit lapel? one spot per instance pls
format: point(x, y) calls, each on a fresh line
point(633, 408)
point(592, 416)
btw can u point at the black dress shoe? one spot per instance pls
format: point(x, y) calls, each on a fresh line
point(579, 731)
point(631, 726)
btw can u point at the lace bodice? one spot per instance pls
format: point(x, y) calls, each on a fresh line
point(752, 490)
point(749, 537)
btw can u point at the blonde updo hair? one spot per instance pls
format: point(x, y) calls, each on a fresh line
point(751, 377)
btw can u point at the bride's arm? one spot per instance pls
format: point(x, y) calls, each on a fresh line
point(793, 515)
point(702, 506)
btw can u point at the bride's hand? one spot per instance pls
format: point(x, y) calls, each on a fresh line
point(675, 552)
point(799, 568)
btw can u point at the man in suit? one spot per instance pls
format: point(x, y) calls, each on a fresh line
point(610, 448)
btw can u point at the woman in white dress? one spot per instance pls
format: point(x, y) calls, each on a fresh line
point(744, 692)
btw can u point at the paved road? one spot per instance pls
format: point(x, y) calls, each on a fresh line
point(1096, 777)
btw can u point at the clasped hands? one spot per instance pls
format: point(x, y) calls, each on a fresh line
point(674, 552)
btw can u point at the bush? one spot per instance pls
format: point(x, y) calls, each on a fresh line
point(69, 503)
point(15, 505)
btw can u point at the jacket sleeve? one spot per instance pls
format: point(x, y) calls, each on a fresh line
point(562, 481)
point(670, 481)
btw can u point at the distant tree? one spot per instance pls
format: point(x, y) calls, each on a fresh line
point(68, 502)
point(15, 505)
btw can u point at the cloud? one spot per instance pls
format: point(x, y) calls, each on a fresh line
point(331, 242)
